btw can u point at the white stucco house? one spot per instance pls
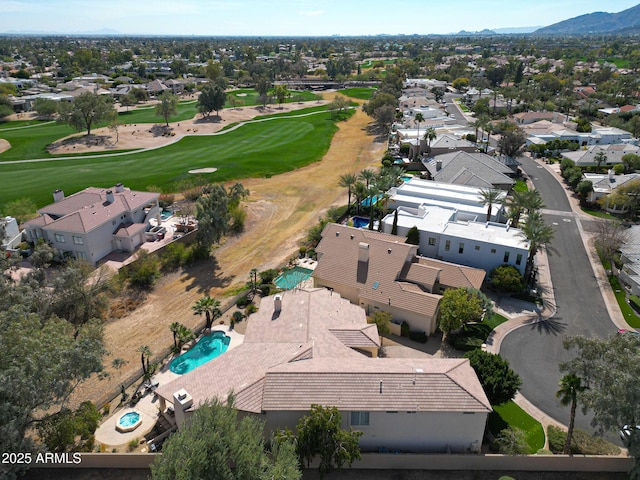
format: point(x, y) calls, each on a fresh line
point(11, 234)
point(311, 346)
point(94, 222)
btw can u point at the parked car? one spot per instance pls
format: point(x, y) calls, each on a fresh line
point(630, 332)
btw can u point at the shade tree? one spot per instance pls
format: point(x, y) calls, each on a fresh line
point(85, 111)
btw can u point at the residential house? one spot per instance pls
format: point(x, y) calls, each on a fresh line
point(470, 169)
point(527, 118)
point(545, 131)
point(304, 347)
point(465, 200)
point(95, 221)
point(156, 87)
point(378, 272)
point(613, 152)
point(445, 236)
point(176, 86)
point(606, 183)
point(446, 143)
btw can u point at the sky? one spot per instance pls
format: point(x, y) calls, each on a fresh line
point(290, 17)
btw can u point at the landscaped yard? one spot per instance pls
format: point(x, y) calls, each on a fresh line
point(253, 150)
point(475, 334)
point(511, 415)
point(629, 313)
point(520, 186)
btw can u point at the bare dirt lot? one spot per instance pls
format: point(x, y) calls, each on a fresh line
point(279, 212)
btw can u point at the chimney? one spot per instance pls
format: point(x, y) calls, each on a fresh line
point(612, 175)
point(363, 252)
point(277, 303)
point(181, 402)
point(119, 188)
point(438, 165)
point(110, 197)
point(58, 195)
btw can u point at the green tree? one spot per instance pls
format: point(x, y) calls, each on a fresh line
point(281, 92)
point(608, 367)
point(419, 118)
point(512, 441)
point(384, 116)
point(86, 110)
point(212, 212)
point(382, 321)
point(45, 107)
point(570, 386)
point(394, 226)
point(512, 143)
point(413, 236)
point(218, 445)
point(145, 359)
point(212, 98)
point(583, 189)
point(210, 307)
point(368, 176)
point(490, 197)
point(128, 100)
point(42, 361)
point(498, 380)
point(539, 236)
point(348, 180)
point(167, 106)
point(338, 106)
point(378, 101)
point(69, 431)
point(6, 108)
point(458, 307)
point(507, 278)
point(174, 327)
point(320, 434)
point(609, 237)
point(430, 135)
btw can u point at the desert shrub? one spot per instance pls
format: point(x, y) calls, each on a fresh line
point(174, 255)
point(166, 199)
point(242, 302)
point(266, 289)
point(302, 251)
point(251, 308)
point(511, 441)
point(143, 272)
point(582, 442)
point(405, 330)
point(618, 169)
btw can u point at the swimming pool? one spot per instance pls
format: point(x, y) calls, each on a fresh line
point(166, 215)
point(369, 201)
point(360, 222)
point(292, 277)
point(207, 348)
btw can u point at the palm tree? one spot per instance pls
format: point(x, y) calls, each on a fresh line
point(490, 197)
point(210, 307)
point(348, 180)
point(145, 355)
point(184, 335)
point(174, 327)
point(360, 191)
point(570, 387)
point(600, 158)
point(515, 204)
point(430, 135)
point(368, 176)
point(419, 118)
point(538, 234)
point(533, 201)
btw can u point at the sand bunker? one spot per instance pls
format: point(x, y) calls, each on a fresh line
point(4, 145)
point(204, 170)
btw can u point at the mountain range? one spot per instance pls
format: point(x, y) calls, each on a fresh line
point(626, 22)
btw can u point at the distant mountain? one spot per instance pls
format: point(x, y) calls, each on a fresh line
point(627, 21)
point(515, 30)
point(481, 32)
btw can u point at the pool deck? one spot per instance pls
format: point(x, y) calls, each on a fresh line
point(148, 406)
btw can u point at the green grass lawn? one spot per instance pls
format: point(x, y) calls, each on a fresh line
point(475, 334)
point(629, 313)
point(27, 143)
point(363, 93)
point(4, 124)
point(510, 414)
point(147, 114)
point(246, 97)
point(253, 150)
point(600, 213)
point(520, 186)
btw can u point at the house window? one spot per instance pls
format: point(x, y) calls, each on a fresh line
point(81, 255)
point(78, 240)
point(477, 247)
point(461, 248)
point(493, 250)
point(518, 259)
point(360, 419)
point(59, 238)
point(447, 245)
point(506, 257)
point(432, 241)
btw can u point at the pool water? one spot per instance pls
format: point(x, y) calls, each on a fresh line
point(360, 222)
point(292, 277)
point(406, 178)
point(166, 215)
point(129, 419)
point(207, 348)
point(369, 201)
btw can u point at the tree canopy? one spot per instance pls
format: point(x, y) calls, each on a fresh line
point(216, 445)
point(459, 306)
point(167, 107)
point(498, 380)
point(212, 98)
point(86, 110)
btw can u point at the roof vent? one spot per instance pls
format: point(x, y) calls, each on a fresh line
point(351, 237)
point(337, 234)
point(388, 250)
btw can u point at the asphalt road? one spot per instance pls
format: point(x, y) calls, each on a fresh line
point(536, 351)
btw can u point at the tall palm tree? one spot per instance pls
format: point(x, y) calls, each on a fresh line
point(600, 158)
point(570, 387)
point(174, 327)
point(145, 355)
point(430, 135)
point(419, 118)
point(539, 236)
point(210, 307)
point(368, 176)
point(515, 204)
point(533, 201)
point(348, 180)
point(360, 191)
point(490, 197)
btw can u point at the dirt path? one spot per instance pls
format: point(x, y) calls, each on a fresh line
point(280, 211)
